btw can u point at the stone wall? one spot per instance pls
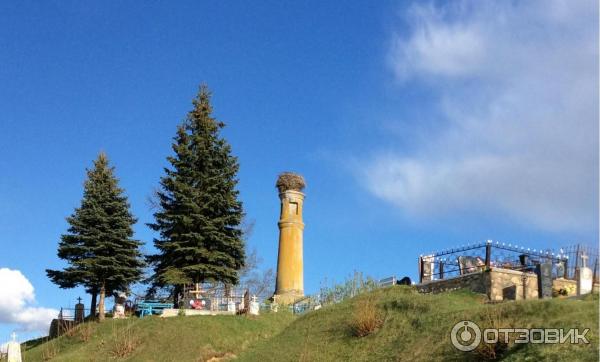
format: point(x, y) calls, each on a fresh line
point(509, 284)
point(477, 282)
point(60, 326)
point(498, 284)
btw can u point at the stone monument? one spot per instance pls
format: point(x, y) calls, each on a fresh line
point(290, 273)
point(13, 349)
point(254, 306)
point(119, 308)
point(79, 311)
point(584, 277)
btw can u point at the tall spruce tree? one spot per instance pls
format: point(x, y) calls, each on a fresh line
point(199, 213)
point(101, 254)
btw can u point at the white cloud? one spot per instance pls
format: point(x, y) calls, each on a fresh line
point(518, 94)
point(16, 299)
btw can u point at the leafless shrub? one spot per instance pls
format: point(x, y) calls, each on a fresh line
point(84, 332)
point(367, 318)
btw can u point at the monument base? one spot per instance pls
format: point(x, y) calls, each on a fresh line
point(287, 298)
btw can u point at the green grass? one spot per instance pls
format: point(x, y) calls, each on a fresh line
point(160, 339)
point(416, 328)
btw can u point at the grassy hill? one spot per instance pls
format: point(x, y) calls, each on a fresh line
point(413, 327)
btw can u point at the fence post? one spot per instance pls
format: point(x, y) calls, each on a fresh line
point(566, 260)
point(488, 254)
point(441, 269)
point(421, 269)
point(595, 275)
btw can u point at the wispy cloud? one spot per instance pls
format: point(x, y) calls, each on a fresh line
point(518, 94)
point(16, 303)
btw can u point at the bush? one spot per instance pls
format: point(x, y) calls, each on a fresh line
point(366, 318)
point(84, 332)
point(124, 342)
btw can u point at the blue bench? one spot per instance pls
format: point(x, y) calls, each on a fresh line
point(150, 307)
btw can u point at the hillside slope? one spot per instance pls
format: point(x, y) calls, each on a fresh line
point(158, 339)
point(415, 327)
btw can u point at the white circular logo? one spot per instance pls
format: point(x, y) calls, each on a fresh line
point(465, 336)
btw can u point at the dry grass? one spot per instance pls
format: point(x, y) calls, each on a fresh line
point(366, 319)
point(84, 332)
point(493, 318)
point(124, 343)
point(50, 350)
point(290, 181)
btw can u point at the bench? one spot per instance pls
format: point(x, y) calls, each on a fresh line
point(150, 307)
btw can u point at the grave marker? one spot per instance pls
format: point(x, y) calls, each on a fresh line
point(544, 274)
point(584, 278)
point(13, 349)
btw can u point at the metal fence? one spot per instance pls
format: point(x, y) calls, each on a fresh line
point(484, 255)
point(581, 255)
point(68, 314)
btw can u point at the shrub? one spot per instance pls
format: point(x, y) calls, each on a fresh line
point(84, 332)
point(124, 343)
point(366, 318)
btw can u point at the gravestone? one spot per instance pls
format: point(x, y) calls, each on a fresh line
point(560, 270)
point(79, 311)
point(585, 278)
point(544, 274)
point(254, 306)
point(231, 306)
point(427, 266)
point(13, 349)
point(470, 264)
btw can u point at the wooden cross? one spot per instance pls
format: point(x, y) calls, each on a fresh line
point(79, 300)
point(197, 291)
point(584, 259)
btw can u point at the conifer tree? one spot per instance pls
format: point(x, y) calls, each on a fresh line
point(199, 213)
point(101, 254)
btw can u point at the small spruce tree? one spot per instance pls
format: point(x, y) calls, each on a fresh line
point(199, 213)
point(101, 254)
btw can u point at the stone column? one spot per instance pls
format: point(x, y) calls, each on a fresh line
point(290, 273)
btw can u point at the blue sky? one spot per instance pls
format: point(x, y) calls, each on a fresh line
point(418, 126)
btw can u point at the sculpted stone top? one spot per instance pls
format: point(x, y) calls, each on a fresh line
point(290, 181)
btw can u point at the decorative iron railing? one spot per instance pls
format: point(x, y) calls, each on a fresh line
point(484, 255)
